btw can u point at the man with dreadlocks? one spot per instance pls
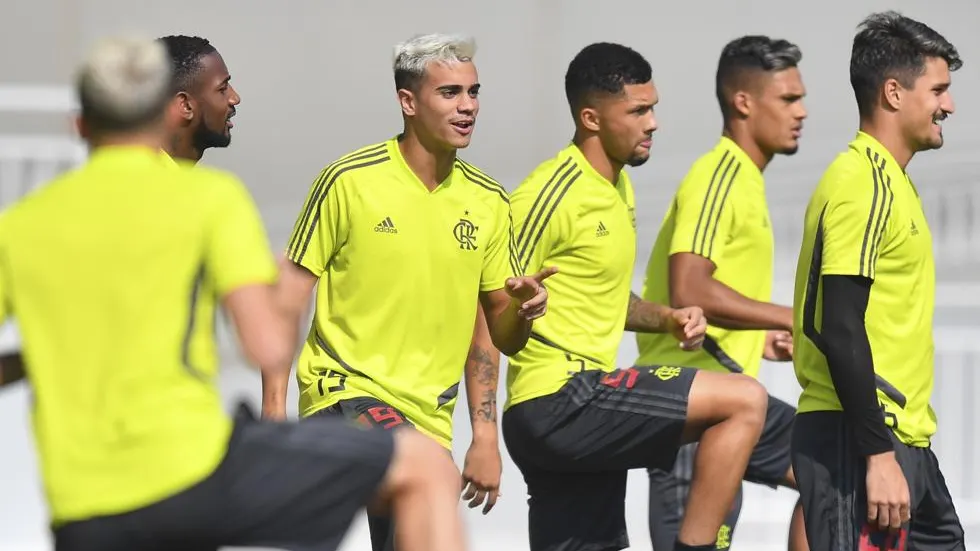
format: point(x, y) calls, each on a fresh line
point(204, 99)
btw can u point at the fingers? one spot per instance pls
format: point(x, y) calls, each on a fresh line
point(474, 496)
point(873, 513)
point(491, 501)
point(536, 307)
point(545, 273)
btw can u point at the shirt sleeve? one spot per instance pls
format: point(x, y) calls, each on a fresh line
point(500, 259)
point(854, 223)
point(322, 225)
point(540, 224)
point(238, 252)
point(704, 213)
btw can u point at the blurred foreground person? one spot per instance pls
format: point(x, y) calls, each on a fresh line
point(136, 450)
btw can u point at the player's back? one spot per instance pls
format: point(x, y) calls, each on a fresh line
point(106, 272)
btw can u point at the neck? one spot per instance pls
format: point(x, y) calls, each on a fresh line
point(431, 164)
point(181, 146)
point(741, 136)
point(888, 135)
point(595, 154)
point(150, 139)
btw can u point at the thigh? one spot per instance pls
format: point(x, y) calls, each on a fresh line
point(576, 511)
point(625, 419)
point(367, 411)
point(830, 478)
point(299, 485)
point(770, 460)
point(935, 523)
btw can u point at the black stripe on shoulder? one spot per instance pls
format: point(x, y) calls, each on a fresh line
point(710, 196)
point(301, 238)
point(540, 203)
point(479, 178)
point(880, 199)
point(721, 205)
point(884, 212)
point(369, 152)
point(562, 185)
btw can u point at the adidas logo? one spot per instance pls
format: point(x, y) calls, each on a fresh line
point(386, 226)
point(601, 231)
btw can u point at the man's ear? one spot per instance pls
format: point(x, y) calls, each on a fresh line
point(185, 106)
point(406, 99)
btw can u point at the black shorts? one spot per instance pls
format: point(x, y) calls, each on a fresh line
point(575, 447)
point(291, 486)
point(373, 413)
point(768, 464)
point(831, 476)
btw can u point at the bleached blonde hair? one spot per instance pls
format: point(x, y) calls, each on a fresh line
point(124, 82)
point(413, 56)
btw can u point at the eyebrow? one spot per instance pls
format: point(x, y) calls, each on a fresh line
point(456, 87)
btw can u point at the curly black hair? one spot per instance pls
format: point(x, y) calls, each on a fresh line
point(603, 68)
point(185, 55)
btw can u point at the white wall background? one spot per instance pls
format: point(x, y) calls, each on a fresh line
point(316, 83)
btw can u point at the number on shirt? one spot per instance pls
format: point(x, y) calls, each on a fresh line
point(335, 379)
point(891, 420)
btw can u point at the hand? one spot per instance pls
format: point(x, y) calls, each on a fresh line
point(481, 475)
point(888, 493)
point(531, 293)
point(688, 326)
point(779, 346)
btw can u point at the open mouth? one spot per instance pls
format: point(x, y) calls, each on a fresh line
point(462, 126)
point(937, 120)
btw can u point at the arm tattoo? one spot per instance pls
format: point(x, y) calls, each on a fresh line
point(485, 369)
point(643, 316)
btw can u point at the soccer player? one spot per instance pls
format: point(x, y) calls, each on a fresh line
point(863, 310)
point(715, 251)
point(573, 423)
point(136, 450)
point(204, 100)
point(402, 239)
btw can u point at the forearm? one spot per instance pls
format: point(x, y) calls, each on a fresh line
point(727, 308)
point(850, 362)
point(11, 368)
point(646, 317)
point(481, 376)
point(509, 331)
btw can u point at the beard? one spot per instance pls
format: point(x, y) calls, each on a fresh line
point(205, 138)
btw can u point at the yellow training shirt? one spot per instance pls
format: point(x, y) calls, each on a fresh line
point(568, 216)
point(112, 272)
point(865, 219)
point(720, 213)
point(400, 269)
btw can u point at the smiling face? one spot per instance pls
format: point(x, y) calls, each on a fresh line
point(443, 107)
point(922, 107)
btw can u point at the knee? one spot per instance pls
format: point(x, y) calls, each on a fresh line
point(418, 461)
point(750, 399)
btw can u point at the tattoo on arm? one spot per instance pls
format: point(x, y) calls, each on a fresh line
point(484, 369)
point(644, 316)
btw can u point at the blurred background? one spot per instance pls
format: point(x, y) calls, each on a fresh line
point(315, 80)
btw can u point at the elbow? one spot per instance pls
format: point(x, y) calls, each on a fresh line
point(686, 295)
point(509, 348)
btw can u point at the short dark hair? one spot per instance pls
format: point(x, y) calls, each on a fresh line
point(890, 45)
point(603, 68)
point(185, 55)
point(751, 54)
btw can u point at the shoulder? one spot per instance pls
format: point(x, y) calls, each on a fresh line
point(552, 178)
point(852, 175)
point(366, 160)
point(481, 182)
point(719, 163)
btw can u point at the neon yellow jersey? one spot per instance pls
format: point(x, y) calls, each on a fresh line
point(400, 269)
point(865, 219)
point(113, 272)
point(568, 216)
point(720, 213)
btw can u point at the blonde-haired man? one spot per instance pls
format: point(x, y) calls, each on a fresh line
point(408, 243)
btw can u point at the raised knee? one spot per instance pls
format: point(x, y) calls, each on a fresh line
point(752, 399)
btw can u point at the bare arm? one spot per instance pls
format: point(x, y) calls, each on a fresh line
point(511, 310)
point(291, 296)
point(692, 284)
point(481, 376)
point(647, 317)
point(11, 368)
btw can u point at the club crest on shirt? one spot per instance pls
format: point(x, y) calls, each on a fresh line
point(465, 233)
